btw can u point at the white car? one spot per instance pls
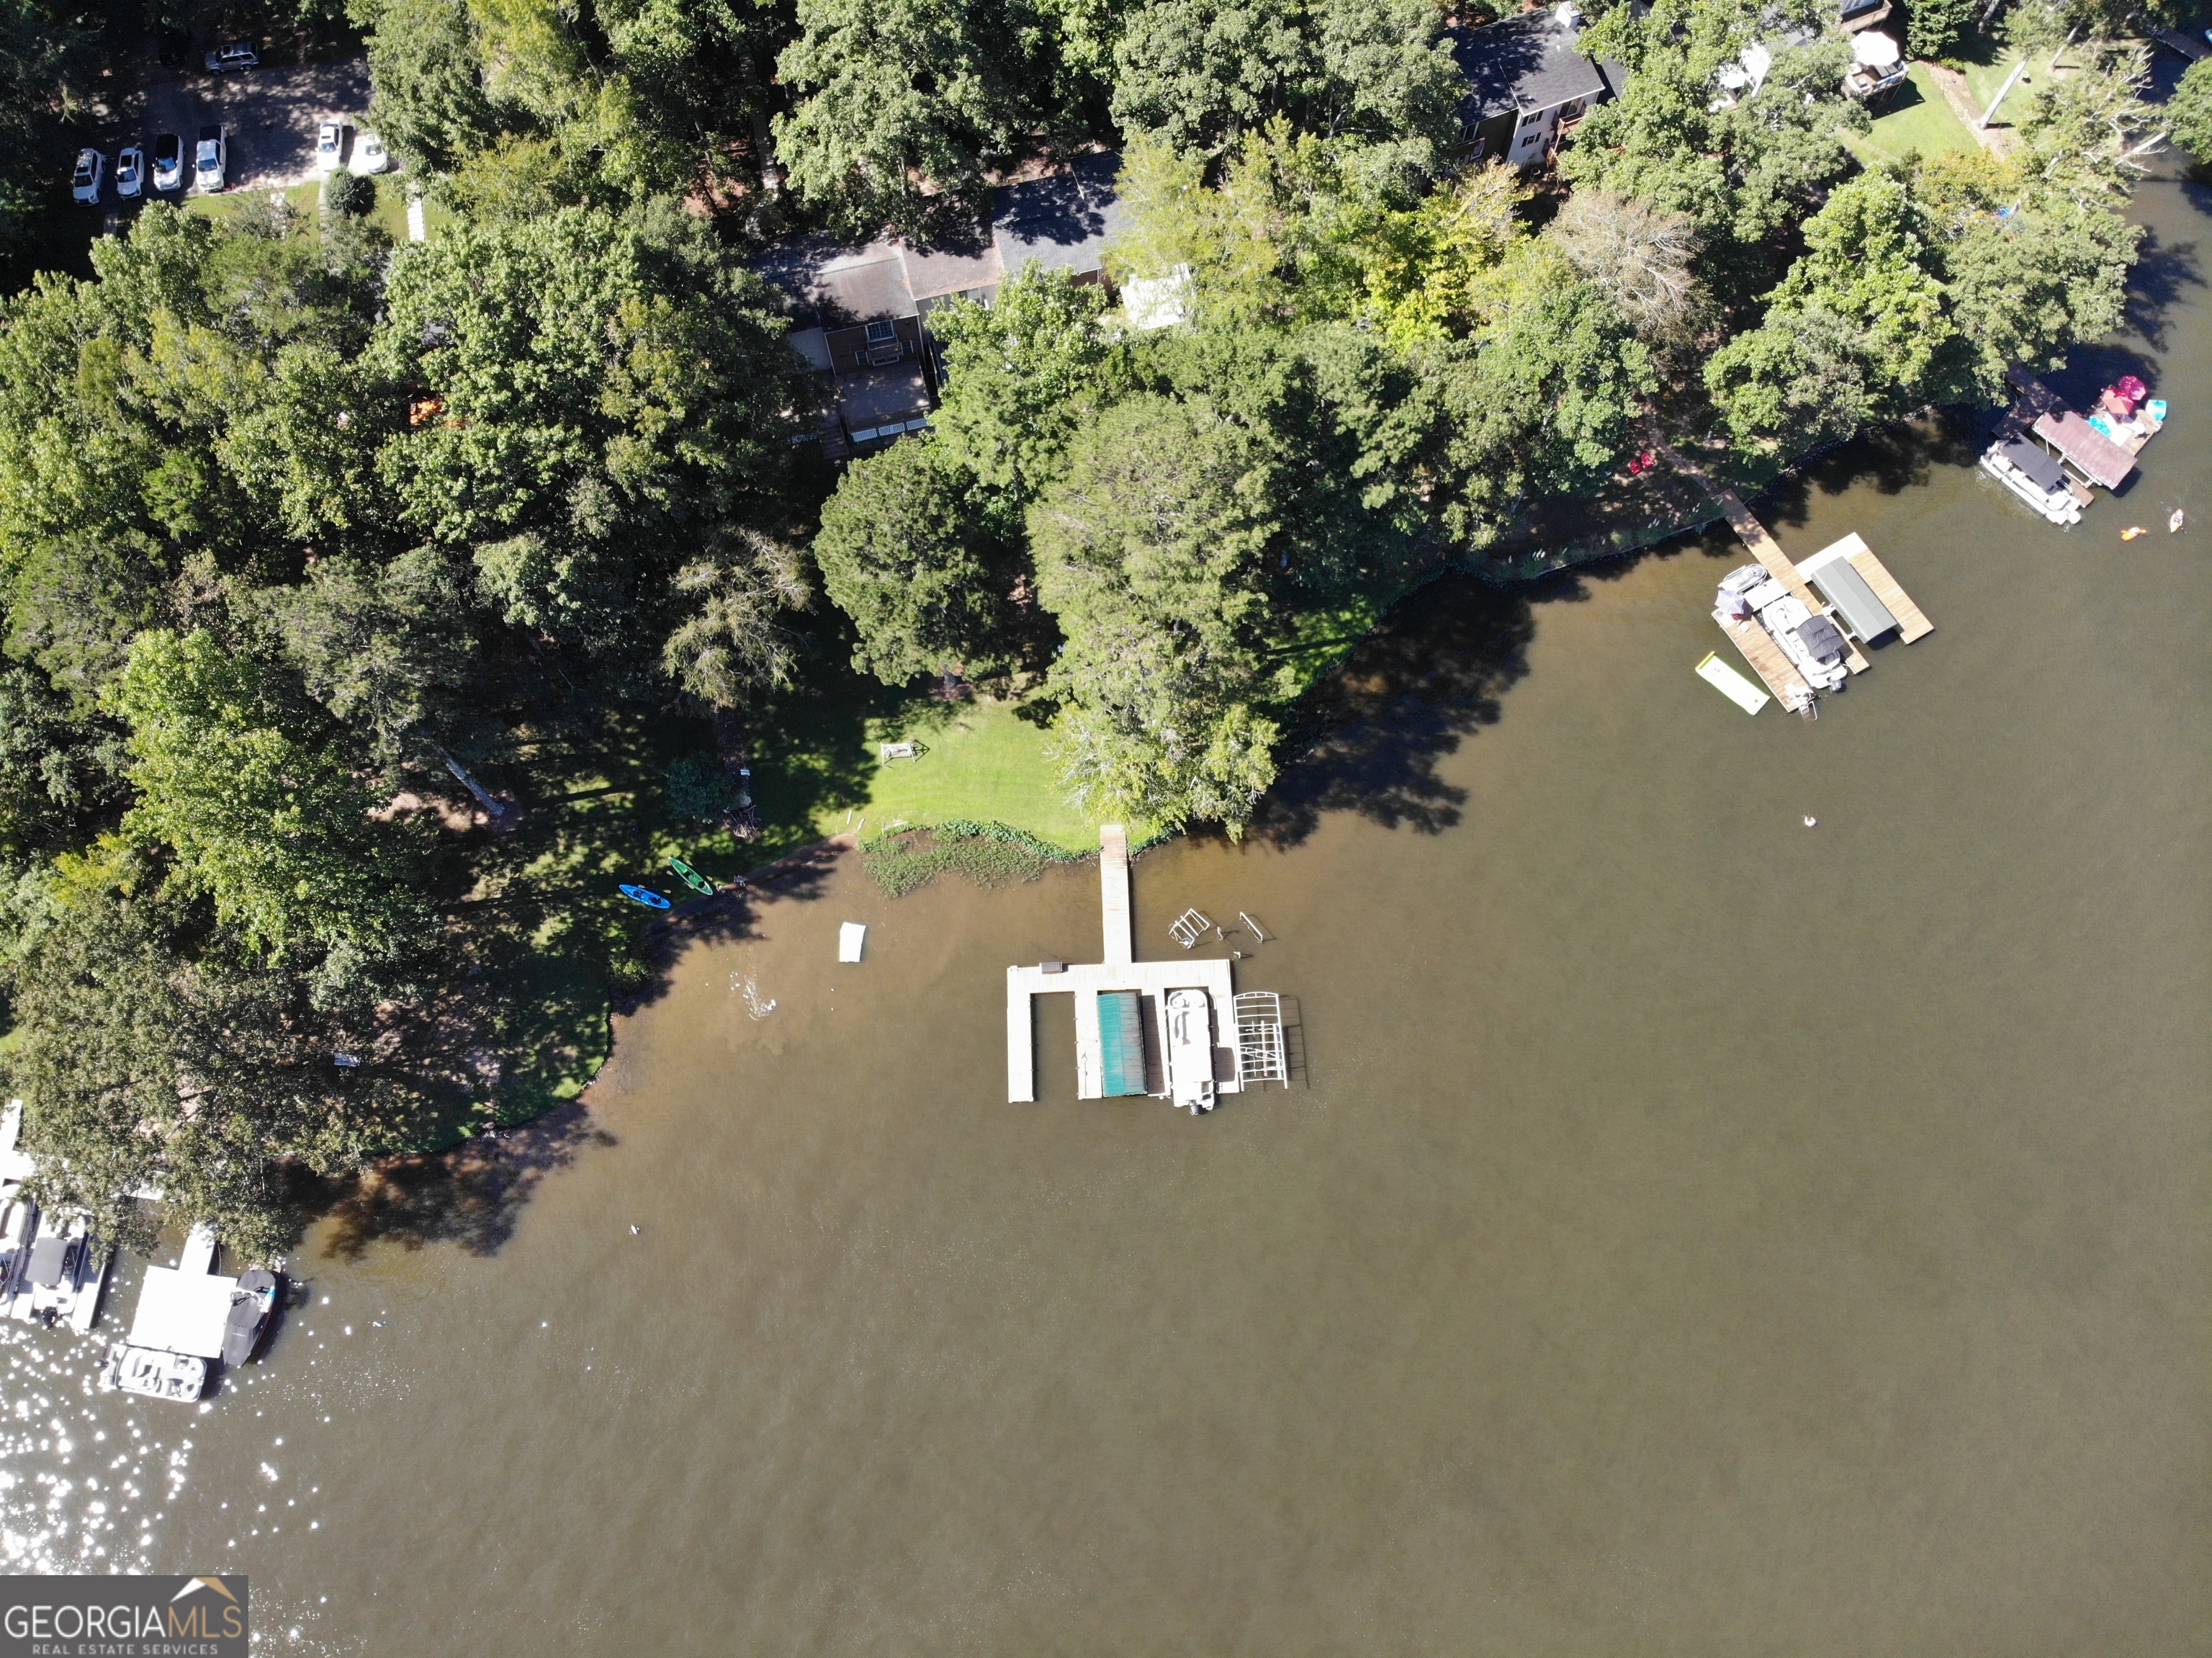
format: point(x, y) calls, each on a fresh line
point(168, 163)
point(211, 160)
point(330, 146)
point(369, 155)
point(84, 184)
point(130, 172)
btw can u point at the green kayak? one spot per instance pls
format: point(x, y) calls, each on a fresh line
point(692, 878)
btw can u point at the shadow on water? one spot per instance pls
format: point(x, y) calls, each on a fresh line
point(469, 1196)
point(1376, 727)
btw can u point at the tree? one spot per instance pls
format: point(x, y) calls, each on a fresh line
point(1933, 27)
point(1150, 549)
point(1203, 72)
point(907, 554)
point(1741, 175)
point(1854, 331)
point(2189, 112)
point(893, 93)
point(604, 399)
point(1019, 375)
point(60, 766)
point(731, 642)
point(254, 805)
point(429, 103)
point(1638, 256)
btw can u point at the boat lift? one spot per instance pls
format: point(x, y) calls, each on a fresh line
point(1261, 1054)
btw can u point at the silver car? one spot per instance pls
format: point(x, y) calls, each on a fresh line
point(84, 183)
point(211, 160)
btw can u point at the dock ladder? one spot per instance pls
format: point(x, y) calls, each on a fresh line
point(1188, 927)
point(1260, 1056)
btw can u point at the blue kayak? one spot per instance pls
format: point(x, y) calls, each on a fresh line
point(647, 896)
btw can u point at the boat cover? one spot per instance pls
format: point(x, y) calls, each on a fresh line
point(1847, 590)
point(1821, 638)
point(1122, 1042)
point(49, 1261)
point(2042, 470)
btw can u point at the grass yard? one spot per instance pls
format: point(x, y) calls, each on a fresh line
point(980, 760)
point(305, 199)
point(1917, 118)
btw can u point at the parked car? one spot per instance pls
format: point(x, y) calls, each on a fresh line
point(330, 146)
point(84, 184)
point(237, 54)
point(368, 155)
point(211, 160)
point(168, 163)
point(130, 172)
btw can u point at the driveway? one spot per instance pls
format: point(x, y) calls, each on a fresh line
point(271, 113)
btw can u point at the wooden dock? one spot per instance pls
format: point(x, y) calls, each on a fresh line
point(1768, 550)
point(1114, 893)
point(1911, 622)
point(1767, 661)
point(2189, 45)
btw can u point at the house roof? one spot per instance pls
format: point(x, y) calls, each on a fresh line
point(2101, 461)
point(1062, 220)
point(1525, 62)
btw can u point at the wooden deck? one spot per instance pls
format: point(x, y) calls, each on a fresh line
point(1912, 622)
point(1767, 661)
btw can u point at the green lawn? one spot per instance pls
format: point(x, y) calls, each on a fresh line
point(305, 199)
point(1917, 118)
point(980, 760)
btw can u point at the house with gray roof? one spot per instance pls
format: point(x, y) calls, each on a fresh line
point(1526, 78)
point(860, 314)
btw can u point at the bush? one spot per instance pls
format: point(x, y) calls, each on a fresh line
point(349, 194)
point(989, 854)
point(699, 789)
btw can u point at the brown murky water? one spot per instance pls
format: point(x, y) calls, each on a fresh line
point(1689, 1232)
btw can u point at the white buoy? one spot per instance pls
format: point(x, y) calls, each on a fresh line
point(1809, 822)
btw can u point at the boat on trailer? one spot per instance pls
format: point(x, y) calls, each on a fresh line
point(154, 1373)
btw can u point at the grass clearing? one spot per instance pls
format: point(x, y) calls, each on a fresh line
point(1919, 119)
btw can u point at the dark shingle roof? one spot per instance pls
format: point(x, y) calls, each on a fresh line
point(1062, 220)
point(1525, 62)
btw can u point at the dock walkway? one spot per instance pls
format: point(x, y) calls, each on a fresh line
point(1120, 970)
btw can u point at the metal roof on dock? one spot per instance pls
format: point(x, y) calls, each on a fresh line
point(2101, 461)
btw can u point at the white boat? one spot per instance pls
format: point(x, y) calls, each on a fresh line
point(1190, 1050)
point(157, 1375)
point(2035, 477)
point(1811, 640)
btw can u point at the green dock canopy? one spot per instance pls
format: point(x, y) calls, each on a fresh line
point(1122, 1041)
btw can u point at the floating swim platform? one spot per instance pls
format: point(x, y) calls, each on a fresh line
point(1732, 685)
point(851, 937)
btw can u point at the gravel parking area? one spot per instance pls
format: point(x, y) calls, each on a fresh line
point(271, 114)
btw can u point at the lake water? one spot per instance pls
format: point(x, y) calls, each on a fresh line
point(1689, 1231)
